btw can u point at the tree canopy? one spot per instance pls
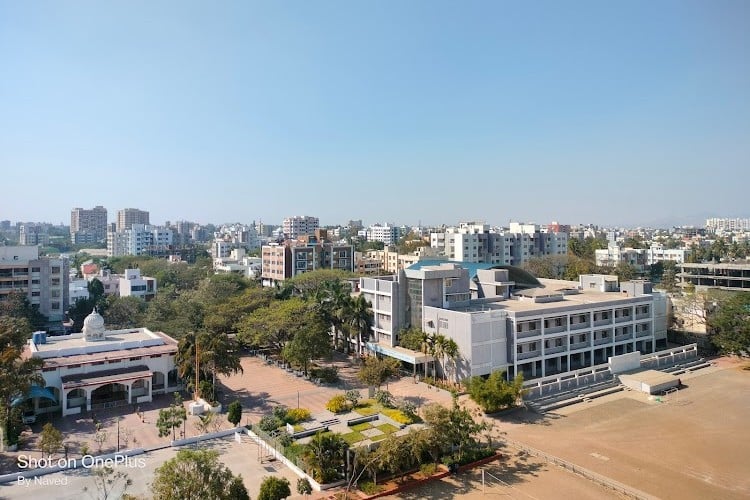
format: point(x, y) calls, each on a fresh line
point(729, 325)
point(197, 475)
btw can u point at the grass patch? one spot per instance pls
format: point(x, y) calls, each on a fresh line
point(366, 411)
point(397, 415)
point(353, 437)
point(379, 437)
point(361, 427)
point(387, 428)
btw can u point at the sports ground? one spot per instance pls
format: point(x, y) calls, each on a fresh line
point(696, 445)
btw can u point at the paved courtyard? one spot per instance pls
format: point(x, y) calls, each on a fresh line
point(241, 458)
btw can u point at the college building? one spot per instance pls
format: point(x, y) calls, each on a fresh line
point(503, 318)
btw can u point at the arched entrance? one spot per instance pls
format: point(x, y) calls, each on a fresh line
point(173, 379)
point(109, 395)
point(157, 382)
point(139, 388)
point(76, 399)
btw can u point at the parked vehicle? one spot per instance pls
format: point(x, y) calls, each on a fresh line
point(28, 417)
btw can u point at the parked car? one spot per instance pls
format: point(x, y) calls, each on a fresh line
point(28, 417)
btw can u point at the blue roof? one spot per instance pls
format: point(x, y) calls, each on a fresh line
point(35, 392)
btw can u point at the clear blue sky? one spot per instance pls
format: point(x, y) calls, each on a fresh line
point(606, 112)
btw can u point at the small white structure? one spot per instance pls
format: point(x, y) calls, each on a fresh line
point(649, 381)
point(101, 368)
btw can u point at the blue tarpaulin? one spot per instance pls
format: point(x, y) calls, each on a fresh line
point(35, 392)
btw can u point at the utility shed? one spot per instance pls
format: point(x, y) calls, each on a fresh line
point(649, 381)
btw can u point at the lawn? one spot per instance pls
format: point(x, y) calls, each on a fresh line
point(371, 407)
point(387, 428)
point(353, 437)
point(361, 427)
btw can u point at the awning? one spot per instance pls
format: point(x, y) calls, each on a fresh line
point(400, 353)
point(35, 392)
point(106, 376)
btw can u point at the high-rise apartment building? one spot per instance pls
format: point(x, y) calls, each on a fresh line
point(88, 226)
point(129, 216)
point(33, 234)
point(140, 239)
point(43, 280)
point(299, 225)
point(280, 262)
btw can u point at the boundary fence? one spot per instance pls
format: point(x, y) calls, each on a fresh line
point(582, 471)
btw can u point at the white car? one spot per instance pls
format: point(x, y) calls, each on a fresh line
point(29, 417)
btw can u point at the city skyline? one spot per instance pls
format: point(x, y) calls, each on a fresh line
point(606, 114)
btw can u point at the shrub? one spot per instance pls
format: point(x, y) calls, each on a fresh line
point(269, 423)
point(370, 488)
point(285, 439)
point(353, 396)
point(338, 404)
point(384, 398)
point(398, 416)
point(280, 412)
point(408, 408)
point(297, 415)
point(328, 374)
point(428, 469)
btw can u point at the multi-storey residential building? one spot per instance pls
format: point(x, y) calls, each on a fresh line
point(299, 225)
point(727, 276)
point(283, 261)
point(33, 234)
point(364, 264)
point(129, 216)
point(140, 240)
point(640, 258)
point(727, 225)
point(132, 284)
point(88, 226)
point(43, 280)
point(98, 368)
point(502, 318)
point(237, 262)
point(389, 234)
point(477, 242)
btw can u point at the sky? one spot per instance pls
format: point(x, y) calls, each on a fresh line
point(427, 112)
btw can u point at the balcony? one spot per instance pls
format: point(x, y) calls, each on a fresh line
point(646, 315)
point(528, 333)
point(549, 330)
point(580, 345)
point(624, 336)
point(603, 322)
point(529, 354)
point(623, 319)
point(644, 333)
point(556, 349)
point(602, 341)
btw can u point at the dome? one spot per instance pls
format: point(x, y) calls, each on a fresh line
point(93, 326)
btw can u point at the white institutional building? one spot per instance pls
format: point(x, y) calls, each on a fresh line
point(100, 368)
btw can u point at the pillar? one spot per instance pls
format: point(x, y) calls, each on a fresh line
point(129, 386)
point(88, 398)
point(559, 364)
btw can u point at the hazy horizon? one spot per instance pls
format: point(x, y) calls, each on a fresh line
point(586, 112)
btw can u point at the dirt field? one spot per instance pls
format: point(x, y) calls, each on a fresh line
point(521, 477)
point(695, 446)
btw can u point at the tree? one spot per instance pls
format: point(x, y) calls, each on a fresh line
point(234, 412)
point(625, 271)
point(495, 393)
point(450, 351)
point(411, 338)
point(50, 440)
point(275, 325)
point(274, 488)
point(217, 354)
point(547, 266)
point(730, 325)
point(17, 305)
point(451, 429)
point(310, 341)
point(333, 302)
point(303, 486)
point(197, 475)
point(171, 418)
point(324, 456)
point(17, 374)
point(375, 371)
point(124, 312)
point(100, 437)
point(109, 484)
point(360, 319)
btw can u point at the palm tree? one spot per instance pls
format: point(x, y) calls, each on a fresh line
point(217, 354)
point(438, 351)
point(450, 350)
point(427, 347)
point(331, 300)
point(360, 319)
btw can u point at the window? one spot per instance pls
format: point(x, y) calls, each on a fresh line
point(442, 323)
point(519, 349)
point(138, 358)
point(35, 294)
point(55, 269)
point(34, 282)
point(35, 269)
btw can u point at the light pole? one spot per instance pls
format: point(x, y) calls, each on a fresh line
point(118, 434)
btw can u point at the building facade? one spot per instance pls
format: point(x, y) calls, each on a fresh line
point(284, 261)
point(299, 225)
point(33, 234)
point(140, 240)
point(731, 276)
point(129, 216)
point(88, 226)
point(43, 280)
point(504, 319)
point(132, 284)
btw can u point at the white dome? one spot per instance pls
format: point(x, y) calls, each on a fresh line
point(93, 326)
